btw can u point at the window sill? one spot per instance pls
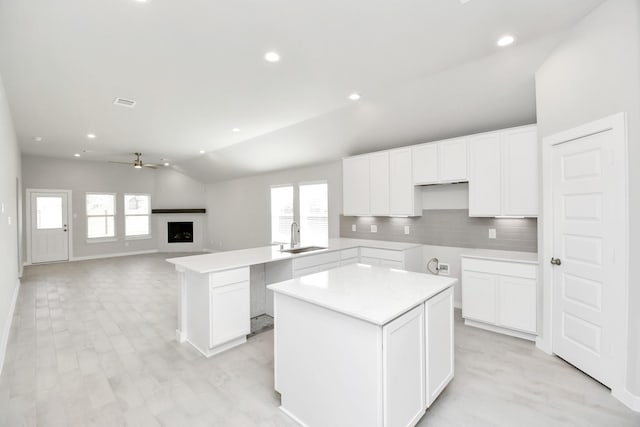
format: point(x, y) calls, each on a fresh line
point(145, 237)
point(102, 240)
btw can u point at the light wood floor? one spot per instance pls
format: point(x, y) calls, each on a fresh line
point(92, 343)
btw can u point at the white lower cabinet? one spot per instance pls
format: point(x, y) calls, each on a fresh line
point(500, 295)
point(218, 310)
point(439, 344)
point(403, 361)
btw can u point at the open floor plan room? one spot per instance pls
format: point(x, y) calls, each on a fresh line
point(93, 344)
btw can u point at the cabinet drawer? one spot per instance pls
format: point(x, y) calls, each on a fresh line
point(349, 253)
point(382, 254)
point(504, 268)
point(318, 259)
point(228, 277)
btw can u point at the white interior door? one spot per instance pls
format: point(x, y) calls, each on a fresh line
point(49, 227)
point(588, 216)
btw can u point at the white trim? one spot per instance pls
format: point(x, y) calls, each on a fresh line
point(27, 224)
point(617, 124)
point(113, 255)
point(139, 237)
point(101, 240)
point(4, 339)
point(506, 331)
point(629, 399)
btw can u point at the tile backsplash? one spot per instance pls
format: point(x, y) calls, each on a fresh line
point(448, 227)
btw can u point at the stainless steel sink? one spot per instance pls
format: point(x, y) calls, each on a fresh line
point(301, 250)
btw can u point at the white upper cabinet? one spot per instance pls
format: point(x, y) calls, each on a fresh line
point(503, 173)
point(520, 169)
point(425, 163)
point(485, 178)
point(440, 162)
point(356, 185)
point(379, 183)
point(404, 198)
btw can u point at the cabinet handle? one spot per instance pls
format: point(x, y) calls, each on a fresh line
point(556, 261)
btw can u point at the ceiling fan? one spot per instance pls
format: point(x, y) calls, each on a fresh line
point(137, 163)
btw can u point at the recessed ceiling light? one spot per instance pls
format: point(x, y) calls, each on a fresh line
point(202, 151)
point(235, 130)
point(272, 57)
point(141, 1)
point(76, 155)
point(354, 96)
point(167, 164)
point(506, 40)
point(37, 138)
point(91, 135)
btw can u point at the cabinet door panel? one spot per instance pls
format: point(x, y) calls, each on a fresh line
point(485, 176)
point(355, 185)
point(403, 359)
point(517, 303)
point(229, 312)
point(379, 179)
point(452, 160)
point(401, 189)
point(425, 163)
point(439, 344)
point(520, 177)
point(479, 296)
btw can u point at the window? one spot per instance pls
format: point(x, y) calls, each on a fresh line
point(136, 214)
point(281, 213)
point(314, 213)
point(101, 212)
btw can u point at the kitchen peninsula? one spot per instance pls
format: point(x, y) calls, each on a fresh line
point(219, 291)
point(362, 345)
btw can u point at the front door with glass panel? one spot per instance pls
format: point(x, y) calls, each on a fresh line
point(49, 227)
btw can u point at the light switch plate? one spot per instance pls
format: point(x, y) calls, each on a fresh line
point(374, 228)
point(2, 208)
point(492, 233)
point(353, 227)
point(407, 229)
point(9, 219)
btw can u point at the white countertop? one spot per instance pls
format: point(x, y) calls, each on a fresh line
point(219, 261)
point(524, 257)
point(371, 293)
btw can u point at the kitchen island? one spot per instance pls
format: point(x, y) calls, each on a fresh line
point(362, 345)
point(221, 291)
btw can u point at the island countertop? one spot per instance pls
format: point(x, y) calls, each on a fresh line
point(370, 293)
point(219, 261)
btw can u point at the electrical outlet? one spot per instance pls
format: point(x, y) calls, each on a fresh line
point(9, 219)
point(492, 233)
point(374, 228)
point(353, 227)
point(443, 269)
point(407, 229)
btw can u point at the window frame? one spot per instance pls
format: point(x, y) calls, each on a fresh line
point(113, 238)
point(149, 235)
point(293, 205)
point(299, 211)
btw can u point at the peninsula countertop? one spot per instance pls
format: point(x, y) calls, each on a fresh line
point(219, 261)
point(374, 294)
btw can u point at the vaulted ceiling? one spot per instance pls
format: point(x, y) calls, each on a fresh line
point(196, 69)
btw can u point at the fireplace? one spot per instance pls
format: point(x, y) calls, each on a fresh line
point(180, 232)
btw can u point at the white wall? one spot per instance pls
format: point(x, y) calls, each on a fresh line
point(593, 73)
point(168, 189)
point(239, 210)
point(9, 259)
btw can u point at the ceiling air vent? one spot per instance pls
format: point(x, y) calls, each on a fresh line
point(124, 102)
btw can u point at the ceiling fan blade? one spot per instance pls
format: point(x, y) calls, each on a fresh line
point(150, 165)
point(121, 163)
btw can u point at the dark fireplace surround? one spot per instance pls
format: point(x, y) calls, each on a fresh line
point(180, 232)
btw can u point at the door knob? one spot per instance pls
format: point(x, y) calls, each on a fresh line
point(555, 261)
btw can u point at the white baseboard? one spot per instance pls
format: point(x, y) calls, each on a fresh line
point(4, 339)
point(629, 399)
point(506, 331)
point(543, 345)
point(114, 255)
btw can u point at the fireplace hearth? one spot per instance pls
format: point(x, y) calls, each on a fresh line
point(180, 232)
